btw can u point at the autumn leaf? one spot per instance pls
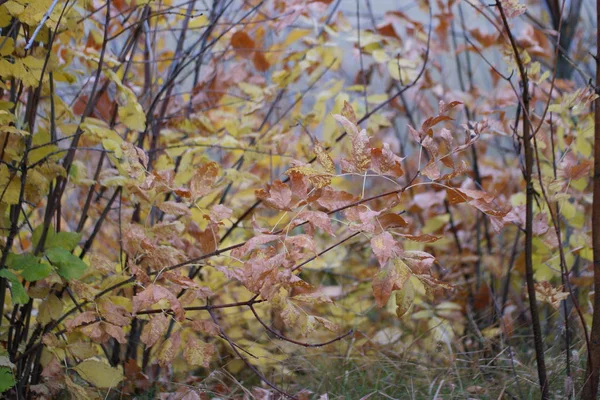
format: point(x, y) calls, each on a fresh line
point(404, 298)
point(154, 329)
point(169, 349)
point(391, 277)
point(99, 374)
point(383, 246)
point(324, 158)
point(154, 294)
point(278, 195)
point(197, 352)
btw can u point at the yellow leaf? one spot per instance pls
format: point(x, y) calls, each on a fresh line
point(200, 21)
point(7, 45)
point(324, 158)
point(99, 374)
point(198, 352)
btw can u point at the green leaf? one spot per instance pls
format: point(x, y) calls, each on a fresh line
point(68, 265)
point(99, 374)
point(7, 380)
point(63, 240)
point(29, 266)
point(19, 295)
point(37, 235)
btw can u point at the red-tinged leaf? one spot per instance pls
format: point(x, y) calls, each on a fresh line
point(253, 243)
point(197, 352)
point(154, 294)
point(278, 195)
point(432, 171)
point(348, 113)
point(204, 179)
point(455, 196)
point(206, 326)
point(174, 208)
point(242, 43)
point(318, 219)
point(349, 126)
point(115, 332)
point(426, 238)
point(383, 246)
point(84, 318)
point(385, 162)
point(331, 199)
point(169, 349)
point(154, 329)
point(392, 277)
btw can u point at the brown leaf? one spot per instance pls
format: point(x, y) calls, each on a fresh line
point(114, 331)
point(82, 319)
point(317, 178)
point(202, 182)
point(278, 195)
point(113, 313)
point(334, 199)
point(206, 326)
point(432, 171)
point(154, 329)
point(317, 219)
point(242, 43)
point(252, 243)
point(385, 162)
point(260, 61)
point(455, 196)
point(152, 295)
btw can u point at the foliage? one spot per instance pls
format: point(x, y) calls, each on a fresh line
point(188, 190)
